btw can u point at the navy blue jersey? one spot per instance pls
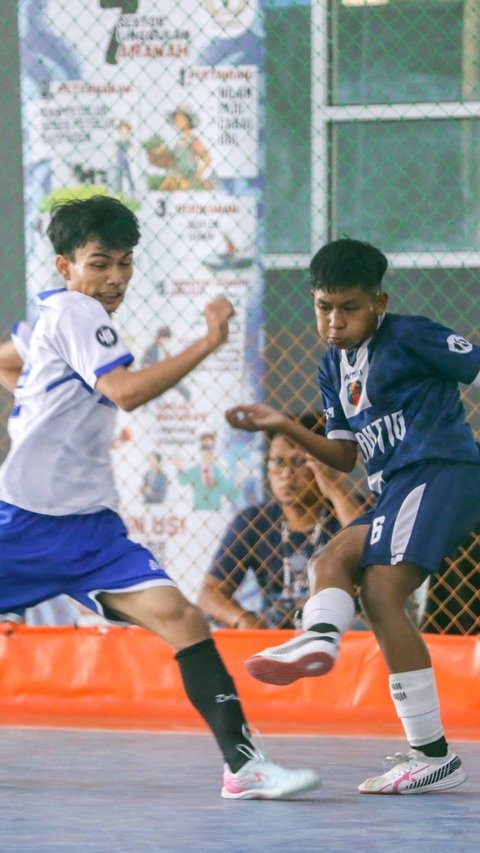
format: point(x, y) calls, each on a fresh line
point(397, 395)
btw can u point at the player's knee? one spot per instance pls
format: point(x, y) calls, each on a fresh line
point(187, 627)
point(315, 570)
point(167, 609)
point(176, 620)
point(322, 572)
point(181, 610)
point(192, 615)
point(381, 596)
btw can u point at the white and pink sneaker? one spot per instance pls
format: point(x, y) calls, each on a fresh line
point(261, 779)
point(416, 773)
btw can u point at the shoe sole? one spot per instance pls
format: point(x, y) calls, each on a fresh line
point(282, 672)
point(273, 793)
point(437, 787)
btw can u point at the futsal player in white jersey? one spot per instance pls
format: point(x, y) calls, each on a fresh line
point(59, 527)
point(390, 386)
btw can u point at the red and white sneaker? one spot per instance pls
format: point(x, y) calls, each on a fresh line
point(261, 779)
point(416, 773)
point(308, 655)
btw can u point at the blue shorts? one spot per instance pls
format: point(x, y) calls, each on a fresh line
point(422, 515)
point(42, 556)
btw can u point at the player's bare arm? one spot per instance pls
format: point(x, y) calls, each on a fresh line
point(339, 454)
point(10, 365)
point(130, 389)
point(217, 598)
point(338, 490)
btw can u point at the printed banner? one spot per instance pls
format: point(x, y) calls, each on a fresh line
point(162, 107)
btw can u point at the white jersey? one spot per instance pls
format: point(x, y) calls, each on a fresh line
point(61, 429)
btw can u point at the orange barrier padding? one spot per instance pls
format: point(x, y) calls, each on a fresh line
point(127, 678)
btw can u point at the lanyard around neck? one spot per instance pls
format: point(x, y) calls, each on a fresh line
point(307, 549)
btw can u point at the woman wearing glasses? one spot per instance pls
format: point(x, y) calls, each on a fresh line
point(258, 576)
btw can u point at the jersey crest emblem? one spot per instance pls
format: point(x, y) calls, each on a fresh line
point(354, 392)
point(458, 344)
point(106, 336)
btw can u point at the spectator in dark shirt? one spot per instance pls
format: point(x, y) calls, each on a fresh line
point(272, 542)
point(155, 481)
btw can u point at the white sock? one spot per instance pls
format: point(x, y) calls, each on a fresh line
point(415, 697)
point(331, 606)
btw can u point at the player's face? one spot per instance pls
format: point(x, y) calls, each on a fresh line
point(98, 272)
point(291, 479)
point(348, 317)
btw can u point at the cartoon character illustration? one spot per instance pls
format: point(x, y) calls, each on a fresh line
point(124, 150)
point(155, 481)
point(44, 57)
point(188, 163)
point(124, 435)
point(209, 483)
point(230, 259)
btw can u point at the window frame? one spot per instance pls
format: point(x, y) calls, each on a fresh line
point(324, 117)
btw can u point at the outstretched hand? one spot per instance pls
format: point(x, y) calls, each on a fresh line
point(255, 417)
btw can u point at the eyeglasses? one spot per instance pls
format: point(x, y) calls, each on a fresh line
point(278, 463)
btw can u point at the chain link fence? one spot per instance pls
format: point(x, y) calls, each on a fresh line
point(298, 123)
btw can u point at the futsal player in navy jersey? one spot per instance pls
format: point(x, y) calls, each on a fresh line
point(389, 385)
point(59, 527)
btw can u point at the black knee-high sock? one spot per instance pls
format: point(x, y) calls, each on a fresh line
point(212, 692)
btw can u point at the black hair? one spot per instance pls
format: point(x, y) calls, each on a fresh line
point(347, 263)
point(100, 217)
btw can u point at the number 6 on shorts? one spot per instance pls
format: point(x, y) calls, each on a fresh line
point(377, 529)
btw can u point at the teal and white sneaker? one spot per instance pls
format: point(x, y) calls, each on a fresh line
point(416, 773)
point(306, 656)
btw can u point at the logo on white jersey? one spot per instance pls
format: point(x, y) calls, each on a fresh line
point(106, 336)
point(354, 392)
point(354, 378)
point(458, 344)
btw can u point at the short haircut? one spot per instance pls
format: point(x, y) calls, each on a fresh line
point(100, 217)
point(347, 263)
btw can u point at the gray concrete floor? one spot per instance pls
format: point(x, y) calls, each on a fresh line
point(104, 791)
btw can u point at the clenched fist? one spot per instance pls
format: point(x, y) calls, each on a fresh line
point(217, 314)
